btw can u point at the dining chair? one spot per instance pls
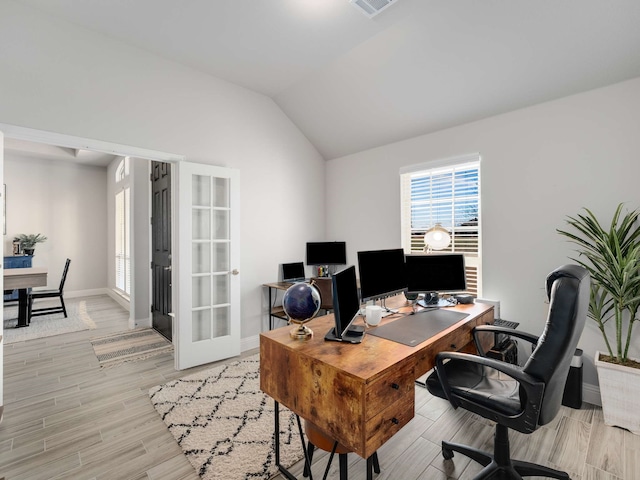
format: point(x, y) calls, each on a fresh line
point(41, 294)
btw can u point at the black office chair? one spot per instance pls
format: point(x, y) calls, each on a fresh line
point(522, 398)
point(40, 294)
point(325, 287)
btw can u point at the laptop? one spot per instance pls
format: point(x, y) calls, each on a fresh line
point(293, 272)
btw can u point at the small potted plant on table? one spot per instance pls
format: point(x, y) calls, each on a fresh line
point(28, 242)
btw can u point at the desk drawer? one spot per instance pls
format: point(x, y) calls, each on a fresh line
point(387, 423)
point(392, 386)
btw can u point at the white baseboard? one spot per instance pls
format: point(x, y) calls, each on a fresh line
point(249, 343)
point(591, 394)
point(86, 293)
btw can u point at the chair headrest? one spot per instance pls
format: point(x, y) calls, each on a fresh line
point(569, 270)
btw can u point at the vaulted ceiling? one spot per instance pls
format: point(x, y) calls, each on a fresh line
point(351, 83)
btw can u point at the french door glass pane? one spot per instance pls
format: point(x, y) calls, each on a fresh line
point(200, 191)
point(200, 257)
point(221, 257)
point(221, 321)
point(201, 229)
point(221, 222)
point(201, 292)
point(201, 322)
point(221, 289)
point(221, 192)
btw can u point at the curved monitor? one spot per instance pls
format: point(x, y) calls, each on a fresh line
point(440, 273)
point(382, 273)
point(326, 253)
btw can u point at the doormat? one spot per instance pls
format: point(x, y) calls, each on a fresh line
point(224, 423)
point(129, 346)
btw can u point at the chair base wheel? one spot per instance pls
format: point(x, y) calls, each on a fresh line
point(515, 469)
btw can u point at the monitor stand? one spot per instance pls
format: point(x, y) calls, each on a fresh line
point(352, 336)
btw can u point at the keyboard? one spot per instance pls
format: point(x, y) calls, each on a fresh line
point(498, 322)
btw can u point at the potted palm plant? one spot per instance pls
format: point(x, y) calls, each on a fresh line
point(612, 257)
point(28, 242)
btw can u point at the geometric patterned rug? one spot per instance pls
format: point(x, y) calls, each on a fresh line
point(129, 346)
point(224, 423)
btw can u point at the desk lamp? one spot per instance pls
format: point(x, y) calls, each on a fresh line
point(436, 238)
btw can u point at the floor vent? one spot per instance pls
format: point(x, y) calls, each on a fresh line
point(371, 8)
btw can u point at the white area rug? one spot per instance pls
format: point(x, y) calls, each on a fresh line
point(46, 325)
point(224, 422)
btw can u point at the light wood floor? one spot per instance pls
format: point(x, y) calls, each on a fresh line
point(65, 418)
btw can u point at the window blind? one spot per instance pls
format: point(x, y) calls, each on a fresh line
point(447, 194)
point(122, 253)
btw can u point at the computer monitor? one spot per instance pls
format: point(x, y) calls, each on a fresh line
point(293, 272)
point(346, 307)
point(435, 273)
point(326, 253)
point(382, 273)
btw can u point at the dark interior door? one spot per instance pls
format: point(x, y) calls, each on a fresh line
point(161, 247)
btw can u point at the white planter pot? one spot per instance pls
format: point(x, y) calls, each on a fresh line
point(619, 390)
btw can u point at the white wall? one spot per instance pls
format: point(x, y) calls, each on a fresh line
point(539, 165)
point(65, 202)
point(61, 78)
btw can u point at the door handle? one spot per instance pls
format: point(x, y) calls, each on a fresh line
point(167, 268)
point(235, 271)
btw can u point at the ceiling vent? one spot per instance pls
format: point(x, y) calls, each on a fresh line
point(371, 8)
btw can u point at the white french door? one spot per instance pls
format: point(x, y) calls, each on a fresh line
point(207, 294)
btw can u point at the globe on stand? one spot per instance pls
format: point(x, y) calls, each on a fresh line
point(301, 302)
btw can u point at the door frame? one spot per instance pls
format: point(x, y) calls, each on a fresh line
point(71, 141)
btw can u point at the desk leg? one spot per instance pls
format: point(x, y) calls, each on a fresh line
point(23, 321)
point(283, 470)
point(269, 311)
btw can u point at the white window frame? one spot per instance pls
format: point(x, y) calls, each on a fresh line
point(466, 239)
point(122, 246)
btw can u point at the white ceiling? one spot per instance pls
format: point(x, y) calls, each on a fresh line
point(351, 83)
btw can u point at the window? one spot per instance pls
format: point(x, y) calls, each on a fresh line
point(122, 243)
point(445, 192)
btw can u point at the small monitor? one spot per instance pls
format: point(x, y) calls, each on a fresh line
point(435, 273)
point(293, 272)
point(382, 273)
point(326, 253)
point(346, 306)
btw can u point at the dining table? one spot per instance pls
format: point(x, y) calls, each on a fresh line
point(22, 279)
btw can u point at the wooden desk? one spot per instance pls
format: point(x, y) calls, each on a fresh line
point(359, 395)
point(21, 279)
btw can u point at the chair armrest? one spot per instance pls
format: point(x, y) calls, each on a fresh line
point(532, 387)
point(533, 339)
